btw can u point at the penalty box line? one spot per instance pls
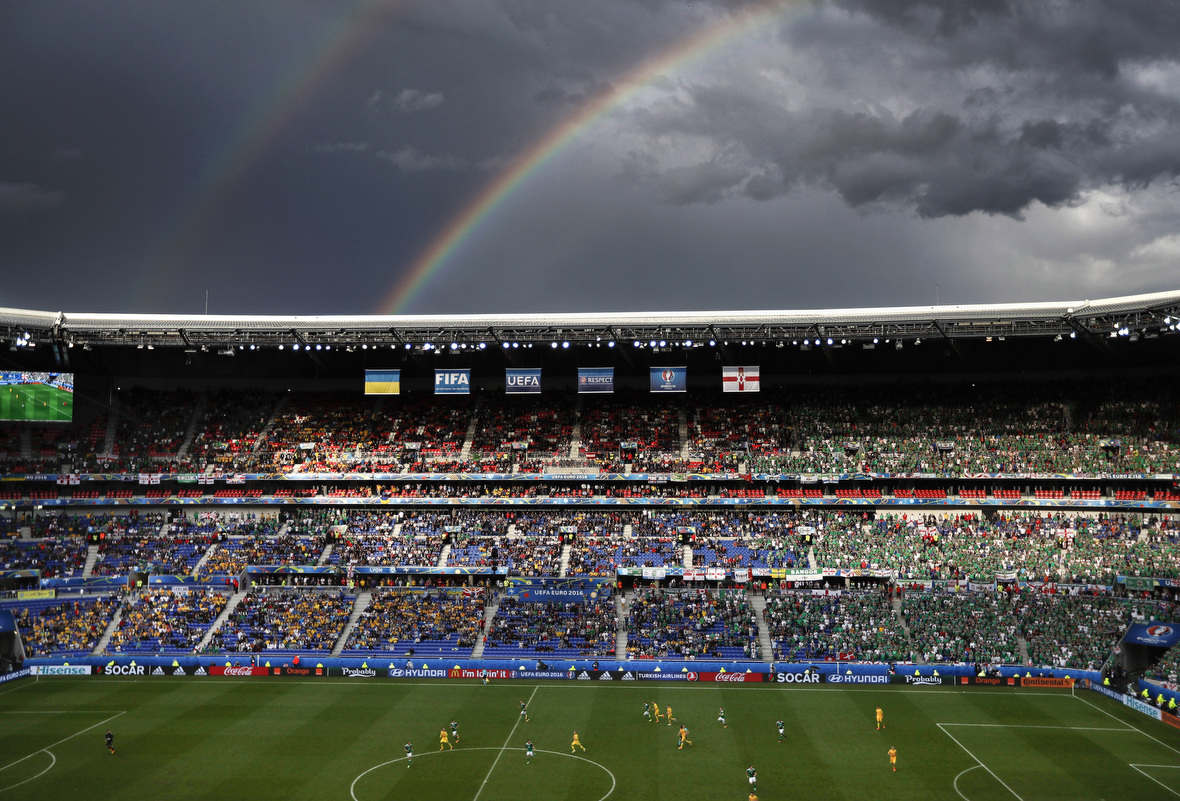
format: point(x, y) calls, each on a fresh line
point(62, 740)
point(978, 760)
point(505, 746)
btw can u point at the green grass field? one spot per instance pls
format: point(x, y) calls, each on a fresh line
point(336, 740)
point(36, 402)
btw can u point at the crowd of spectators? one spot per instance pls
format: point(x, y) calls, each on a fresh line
point(968, 627)
point(691, 625)
point(136, 543)
point(166, 621)
point(284, 620)
point(808, 625)
point(64, 628)
point(419, 623)
point(568, 630)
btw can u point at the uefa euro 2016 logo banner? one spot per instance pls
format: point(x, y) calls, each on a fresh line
point(669, 379)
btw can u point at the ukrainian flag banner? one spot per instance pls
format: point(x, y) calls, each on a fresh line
point(383, 382)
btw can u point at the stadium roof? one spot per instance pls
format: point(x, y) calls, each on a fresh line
point(1128, 316)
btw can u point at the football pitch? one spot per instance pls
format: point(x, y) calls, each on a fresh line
point(343, 740)
point(36, 402)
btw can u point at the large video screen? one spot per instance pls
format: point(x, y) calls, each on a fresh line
point(37, 396)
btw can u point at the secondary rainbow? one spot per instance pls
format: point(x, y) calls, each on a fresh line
point(712, 39)
point(341, 42)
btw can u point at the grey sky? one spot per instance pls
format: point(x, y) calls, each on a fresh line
point(299, 156)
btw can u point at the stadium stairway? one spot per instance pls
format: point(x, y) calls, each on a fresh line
point(622, 604)
point(363, 599)
point(230, 606)
point(201, 563)
point(270, 422)
point(683, 430)
point(1022, 644)
point(26, 443)
point(191, 431)
point(758, 602)
point(444, 555)
point(489, 612)
point(111, 628)
point(323, 560)
point(688, 557)
point(108, 442)
point(565, 560)
point(909, 639)
point(91, 559)
point(576, 434)
point(469, 439)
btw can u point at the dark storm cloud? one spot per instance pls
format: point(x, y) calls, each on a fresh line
point(1068, 103)
point(16, 199)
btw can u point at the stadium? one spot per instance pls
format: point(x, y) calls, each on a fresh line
point(272, 554)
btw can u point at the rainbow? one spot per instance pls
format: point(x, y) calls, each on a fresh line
point(461, 227)
point(340, 43)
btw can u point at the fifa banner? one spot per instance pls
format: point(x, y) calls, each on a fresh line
point(740, 379)
point(452, 382)
point(383, 382)
point(596, 379)
point(522, 381)
point(1153, 633)
point(669, 379)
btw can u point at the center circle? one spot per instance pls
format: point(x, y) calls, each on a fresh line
point(379, 765)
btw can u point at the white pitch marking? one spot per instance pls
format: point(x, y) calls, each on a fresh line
point(1154, 779)
point(62, 740)
point(613, 782)
point(1128, 725)
point(1033, 726)
point(957, 790)
point(980, 761)
point(38, 776)
point(503, 747)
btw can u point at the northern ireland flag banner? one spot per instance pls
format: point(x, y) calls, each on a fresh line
point(739, 379)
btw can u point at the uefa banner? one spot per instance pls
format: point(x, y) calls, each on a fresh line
point(740, 379)
point(522, 381)
point(452, 382)
point(669, 379)
point(596, 379)
point(383, 382)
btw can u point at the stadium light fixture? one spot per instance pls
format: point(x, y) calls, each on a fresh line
point(663, 343)
point(295, 346)
point(874, 340)
point(565, 344)
point(652, 344)
point(1073, 334)
point(553, 344)
point(482, 345)
point(610, 344)
point(829, 341)
point(712, 343)
point(688, 343)
point(281, 346)
point(318, 346)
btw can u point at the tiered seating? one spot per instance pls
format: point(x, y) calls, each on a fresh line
point(696, 624)
point(1130, 495)
point(229, 428)
point(285, 621)
point(545, 425)
point(650, 425)
point(1006, 494)
point(975, 628)
point(834, 626)
point(968, 492)
point(59, 627)
point(164, 622)
point(522, 629)
point(418, 623)
point(54, 556)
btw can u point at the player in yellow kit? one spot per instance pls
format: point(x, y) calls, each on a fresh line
point(576, 743)
point(656, 707)
point(683, 738)
point(893, 758)
point(880, 719)
point(443, 740)
point(668, 709)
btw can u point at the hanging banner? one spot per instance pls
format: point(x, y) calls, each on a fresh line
point(596, 379)
point(669, 379)
point(383, 382)
point(1153, 633)
point(522, 381)
point(740, 379)
point(452, 382)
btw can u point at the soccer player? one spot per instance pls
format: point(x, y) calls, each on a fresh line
point(110, 738)
point(753, 797)
point(880, 719)
point(455, 730)
point(657, 708)
point(576, 744)
point(781, 726)
point(683, 738)
point(484, 674)
point(528, 752)
point(409, 754)
point(668, 709)
point(524, 711)
point(443, 740)
point(721, 717)
point(647, 711)
point(752, 775)
point(893, 758)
